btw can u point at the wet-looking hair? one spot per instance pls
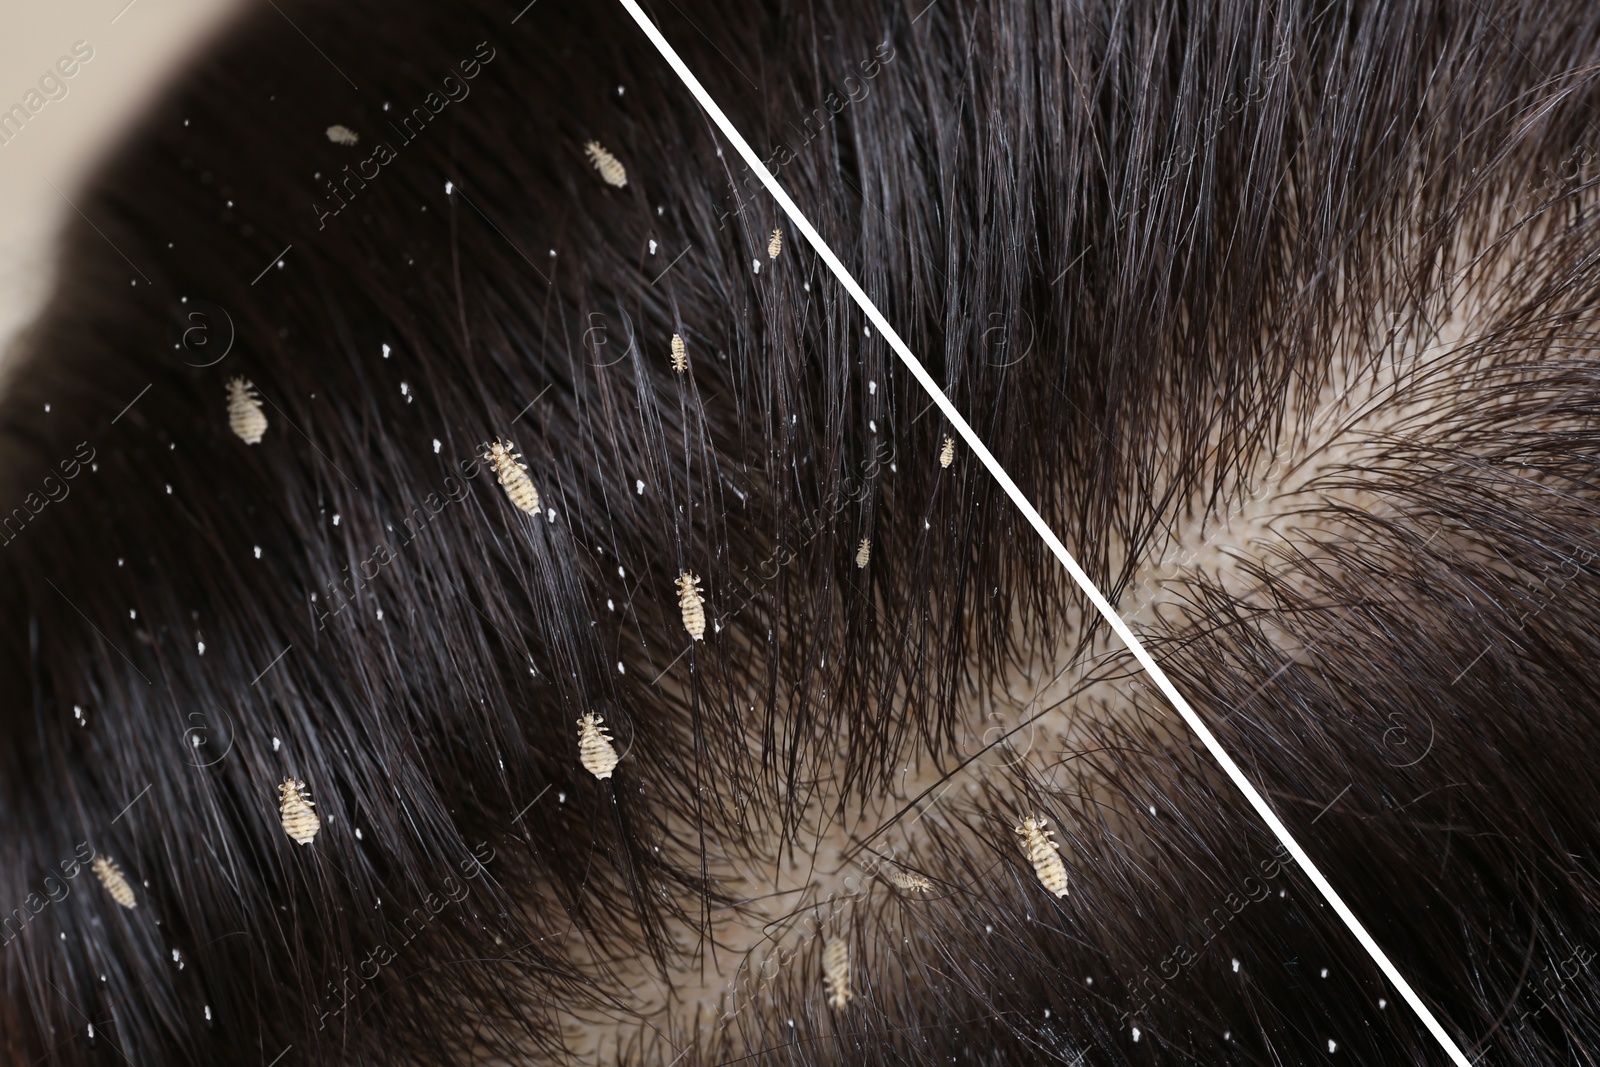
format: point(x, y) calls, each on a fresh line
point(474, 591)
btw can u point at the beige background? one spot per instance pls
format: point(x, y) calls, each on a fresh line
point(137, 46)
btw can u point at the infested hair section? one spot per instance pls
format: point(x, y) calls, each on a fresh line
point(700, 724)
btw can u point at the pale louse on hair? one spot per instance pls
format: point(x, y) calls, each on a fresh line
point(864, 552)
point(692, 606)
point(947, 453)
point(610, 169)
point(299, 821)
point(775, 244)
point(680, 354)
point(245, 417)
point(342, 135)
point(907, 880)
point(836, 971)
point(116, 883)
point(1042, 854)
point(513, 475)
point(595, 752)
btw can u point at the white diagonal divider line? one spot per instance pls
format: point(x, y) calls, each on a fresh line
point(1037, 521)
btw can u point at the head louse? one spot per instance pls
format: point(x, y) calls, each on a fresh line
point(294, 808)
point(836, 971)
point(864, 552)
point(692, 606)
point(611, 170)
point(513, 475)
point(907, 880)
point(245, 417)
point(1047, 865)
point(680, 354)
point(775, 243)
point(947, 453)
point(595, 751)
point(111, 876)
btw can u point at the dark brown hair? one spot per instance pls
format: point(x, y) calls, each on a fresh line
point(1282, 313)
